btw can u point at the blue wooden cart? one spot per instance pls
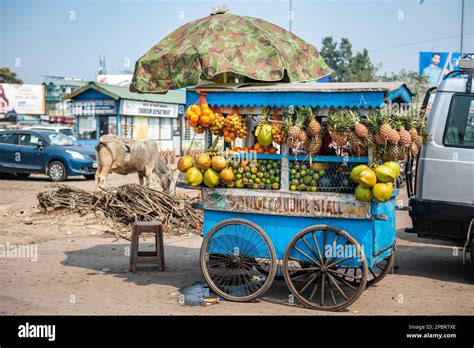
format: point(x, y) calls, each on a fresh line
point(326, 245)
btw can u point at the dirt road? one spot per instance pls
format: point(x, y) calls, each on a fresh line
point(80, 271)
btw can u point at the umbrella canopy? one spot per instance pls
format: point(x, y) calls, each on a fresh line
point(221, 43)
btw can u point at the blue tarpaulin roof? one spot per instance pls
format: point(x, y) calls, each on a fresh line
point(338, 95)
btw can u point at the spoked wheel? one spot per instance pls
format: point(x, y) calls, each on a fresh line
point(238, 260)
point(314, 268)
point(376, 273)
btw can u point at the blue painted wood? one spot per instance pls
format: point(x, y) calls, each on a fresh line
point(286, 99)
point(362, 159)
point(374, 236)
point(400, 93)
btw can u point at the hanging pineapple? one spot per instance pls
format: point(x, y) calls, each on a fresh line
point(297, 137)
point(339, 127)
point(314, 127)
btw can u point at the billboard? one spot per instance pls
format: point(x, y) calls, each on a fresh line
point(117, 80)
point(435, 65)
point(21, 99)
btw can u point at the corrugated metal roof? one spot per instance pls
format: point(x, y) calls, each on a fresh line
point(303, 87)
point(119, 92)
point(68, 82)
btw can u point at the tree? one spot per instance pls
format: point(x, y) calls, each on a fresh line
point(361, 68)
point(345, 66)
point(8, 76)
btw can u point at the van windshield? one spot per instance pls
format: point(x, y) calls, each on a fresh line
point(59, 139)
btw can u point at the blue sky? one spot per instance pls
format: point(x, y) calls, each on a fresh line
point(66, 37)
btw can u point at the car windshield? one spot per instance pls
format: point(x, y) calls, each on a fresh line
point(67, 131)
point(60, 139)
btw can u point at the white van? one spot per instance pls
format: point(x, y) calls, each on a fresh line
point(442, 199)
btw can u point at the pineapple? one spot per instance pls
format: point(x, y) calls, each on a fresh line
point(405, 137)
point(315, 145)
point(373, 123)
point(339, 127)
point(297, 137)
point(369, 140)
point(393, 137)
point(385, 129)
point(314, 127)
point(391, 153)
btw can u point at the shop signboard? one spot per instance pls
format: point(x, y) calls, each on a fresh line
point(92, 107)
point(150, 109)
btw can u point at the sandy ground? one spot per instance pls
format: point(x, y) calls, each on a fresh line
point(81, 270)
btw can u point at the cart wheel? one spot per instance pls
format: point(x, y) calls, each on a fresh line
point(376, 273)
point(314, 266)
point(238, 260)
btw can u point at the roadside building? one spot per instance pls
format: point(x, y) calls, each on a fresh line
point(56, 105)
point(105, 109)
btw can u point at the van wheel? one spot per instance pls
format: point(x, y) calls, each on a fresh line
point(57, 171)
point(22, 175)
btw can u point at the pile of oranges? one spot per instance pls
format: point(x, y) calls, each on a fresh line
point(200, 116)
point(257, 148)
point(234, 127)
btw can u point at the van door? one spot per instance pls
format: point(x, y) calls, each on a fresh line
point(448, 168)
point(8, 149)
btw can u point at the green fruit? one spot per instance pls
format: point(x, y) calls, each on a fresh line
point(211, 177)
point(307, 180)
point(253, 176)
point(258, 180)
point(231, 184)
point(297, 175)
point(275, 186)
point(239, 184)
point(245, 181)
point(367, 177)
point(382, 191)
point(254, 170)
point(194, 176)
point(304, 167)
point(255, 186)
point(316, 176)
point(240, 170)
point(322, 172)
point(265, 137)
point(238, 176)
point(293, 187)
point(293, 171)
point(247, 169)
point(355, 172)
point(277, 180)
point(363, 193)
point(251, 182)
point(313, 188)
point(303, 173)
point(385, 173)
point(394, 165)
point(295, 182)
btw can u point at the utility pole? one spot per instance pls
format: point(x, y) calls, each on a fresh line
point(462, 24)
point(290, 15)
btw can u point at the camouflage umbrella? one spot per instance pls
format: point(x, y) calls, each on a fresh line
point(209, 47)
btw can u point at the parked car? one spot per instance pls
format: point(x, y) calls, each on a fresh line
point(64, 130)
point(442, 201)
point(24, 152)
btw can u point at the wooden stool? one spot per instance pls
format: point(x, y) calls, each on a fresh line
point(147, 257)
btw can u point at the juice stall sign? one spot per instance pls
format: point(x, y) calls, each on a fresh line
point(286, 203)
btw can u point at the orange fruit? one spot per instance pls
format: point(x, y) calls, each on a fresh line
point(205, 119)
point(227, 139)
point(193, 117)
point(272, 150)
point(193, 123)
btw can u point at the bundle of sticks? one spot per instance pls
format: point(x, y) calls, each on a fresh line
point(127, 204)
